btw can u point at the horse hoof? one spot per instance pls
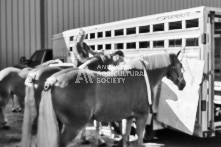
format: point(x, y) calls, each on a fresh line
point(13, 110)
point(6, 127)
point(102, 144)
point(85, 142)
point(118, 143)
point(18, 109)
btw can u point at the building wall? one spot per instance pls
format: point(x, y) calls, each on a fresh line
point(28, 25)
point(19, 30)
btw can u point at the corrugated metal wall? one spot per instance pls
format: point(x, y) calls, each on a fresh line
point(27, 25)
point(19, 30)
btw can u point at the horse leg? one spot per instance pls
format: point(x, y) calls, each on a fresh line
point(141, 124)
point(126, 127)
point(4, 118)
point(17, 105)
point(100, 141)
point(67, 135)
point(84, 139)
point(13, 104)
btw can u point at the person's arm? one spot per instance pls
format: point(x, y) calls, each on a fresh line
point(81, 58)
point(79, 55)
point(94, 53)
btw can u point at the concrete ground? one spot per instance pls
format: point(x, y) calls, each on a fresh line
point(167, 138)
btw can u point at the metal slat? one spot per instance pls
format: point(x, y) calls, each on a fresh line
point(15, 32)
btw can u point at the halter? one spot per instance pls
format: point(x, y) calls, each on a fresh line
point(179, 76)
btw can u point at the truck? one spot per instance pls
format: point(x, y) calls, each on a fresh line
point(38, 57)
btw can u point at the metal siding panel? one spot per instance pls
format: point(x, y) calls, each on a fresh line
point(71, 12)
point(134, 8)
point(96, 9)
point(219, 3)
point(107, 11)
point(76, 13)
point(215, 3)
point(174, 5)
point(44, 24)
point(130, 8)
point(60, 16)
point(15, 32)
point(87, 13)
point(55, 17)
point(66, 14)
point(121, 9)
point(101, 5)
point(27, 28)
point(126, 4)
point(204, 2)
point(143, 7)
point(92, 12)
point(111, 11)
point(0, 37)
point(177, 4)
point(38, 35)
point(160, 3)
point(49, 10)
point(149, 7)
point(32, 26)
point(3, 34)
point(208, 3)
point(169, 5)
point(21, 30)
point(116, 10)
point(139, 7)
point(9, 32)
point(81, 13)
point(182, 4)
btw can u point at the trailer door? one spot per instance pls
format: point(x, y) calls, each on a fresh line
point(178, 109)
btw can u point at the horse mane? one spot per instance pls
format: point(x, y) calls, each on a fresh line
point(7, 71)
point(152, 61)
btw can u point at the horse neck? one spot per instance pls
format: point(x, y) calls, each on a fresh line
point(156, 75)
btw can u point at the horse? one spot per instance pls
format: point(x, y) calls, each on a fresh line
point(79, 96)
point(34, 83)
point(12, 86)
point(11, 81)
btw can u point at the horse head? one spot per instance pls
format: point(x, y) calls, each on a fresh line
point(175, 72)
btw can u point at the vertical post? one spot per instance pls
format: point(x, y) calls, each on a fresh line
point(211, 65)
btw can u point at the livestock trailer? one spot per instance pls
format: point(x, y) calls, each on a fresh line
point(197, 33)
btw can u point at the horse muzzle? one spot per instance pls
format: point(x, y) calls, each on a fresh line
point(182, 84)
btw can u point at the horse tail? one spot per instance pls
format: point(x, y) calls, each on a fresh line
point(48, 132)
point(30, 114)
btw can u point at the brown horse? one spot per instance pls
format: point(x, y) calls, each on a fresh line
point(12, 86)
point(11, 81)
point(76, 97)
point(34, 82)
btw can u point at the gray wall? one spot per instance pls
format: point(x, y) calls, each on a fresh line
point(19, 30)
point(28, 25)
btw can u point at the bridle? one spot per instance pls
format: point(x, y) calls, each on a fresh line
point(179, 76)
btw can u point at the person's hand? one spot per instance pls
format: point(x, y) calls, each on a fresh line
point(103, 58)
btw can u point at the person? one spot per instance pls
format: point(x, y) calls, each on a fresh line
point(80, 50)
point(108, 61)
